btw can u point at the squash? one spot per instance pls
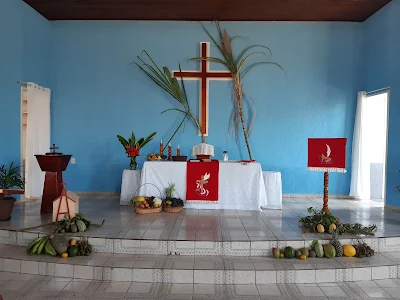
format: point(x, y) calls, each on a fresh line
point(81, 225)
point(60, 243)
point(349, 251)
point(320, 228)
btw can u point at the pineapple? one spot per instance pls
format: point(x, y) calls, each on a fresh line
point(336, 243)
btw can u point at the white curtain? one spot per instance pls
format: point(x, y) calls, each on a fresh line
point(360, 169)
point(37, 137)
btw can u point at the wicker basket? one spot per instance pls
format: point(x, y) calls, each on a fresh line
point(144, 211)
point(173, 209)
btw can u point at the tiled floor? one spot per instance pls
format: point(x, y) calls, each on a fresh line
point(209, 225)
point(36, 287)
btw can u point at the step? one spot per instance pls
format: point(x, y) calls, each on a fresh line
point(198, 247)
point(202, 269)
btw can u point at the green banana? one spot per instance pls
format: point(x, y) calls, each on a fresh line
point(36, 246)
point(41, 246)
point(31, 244)
point(49, 248)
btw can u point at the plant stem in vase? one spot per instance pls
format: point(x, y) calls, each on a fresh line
point(133, 164)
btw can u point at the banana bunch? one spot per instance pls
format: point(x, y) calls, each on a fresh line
point(41, 245)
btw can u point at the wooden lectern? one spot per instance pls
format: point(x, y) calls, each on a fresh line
point(53, 163)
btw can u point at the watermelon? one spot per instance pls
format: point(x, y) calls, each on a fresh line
point(289, 252)
point(329, 251)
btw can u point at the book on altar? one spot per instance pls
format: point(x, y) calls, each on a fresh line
point(203, 149)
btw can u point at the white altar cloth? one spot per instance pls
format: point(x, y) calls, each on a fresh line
point(130, 183)
point(240, 186)
point(273, 188)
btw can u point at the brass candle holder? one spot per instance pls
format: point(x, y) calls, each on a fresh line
point(169, 152)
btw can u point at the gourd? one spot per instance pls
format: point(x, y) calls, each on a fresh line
point(73, 251)
point(81, 225)
point(60, 243)
point(319, 251)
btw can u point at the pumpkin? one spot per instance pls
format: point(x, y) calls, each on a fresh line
point(320, 228)
point(349, 251)
point(332, 227)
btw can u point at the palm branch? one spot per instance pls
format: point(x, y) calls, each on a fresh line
point(164, 79)
point(237, 66)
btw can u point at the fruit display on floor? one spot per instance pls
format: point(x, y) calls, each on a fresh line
point(329, 250)
point(147, 202)
point(79, 223)
point(322, 222)
point(59, 245)
point(170, 200)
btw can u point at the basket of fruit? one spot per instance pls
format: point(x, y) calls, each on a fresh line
point(171, 204)
point(147, 205)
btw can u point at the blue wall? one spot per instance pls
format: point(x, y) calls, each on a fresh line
point(382, 67)
point(24, 53)
point(96, 95)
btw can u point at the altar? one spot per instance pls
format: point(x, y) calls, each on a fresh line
point(241, 185)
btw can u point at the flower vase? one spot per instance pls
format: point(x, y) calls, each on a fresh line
point(133, 164)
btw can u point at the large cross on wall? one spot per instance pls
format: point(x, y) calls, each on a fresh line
point(204, 76)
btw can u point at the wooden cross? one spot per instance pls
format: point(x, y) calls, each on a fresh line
point(204, 75)
point(54, 148)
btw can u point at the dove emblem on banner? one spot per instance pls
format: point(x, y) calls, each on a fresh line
point(201, 183)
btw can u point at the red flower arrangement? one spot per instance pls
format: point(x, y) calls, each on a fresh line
point(132, 147)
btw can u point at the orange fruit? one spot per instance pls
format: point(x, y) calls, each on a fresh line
point(73, 242)
point(64, 255)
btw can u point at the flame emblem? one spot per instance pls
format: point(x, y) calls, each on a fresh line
point(201, 183)
point(326, 158)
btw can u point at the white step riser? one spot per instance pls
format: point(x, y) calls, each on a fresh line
point(199, 276)
point(197, 248)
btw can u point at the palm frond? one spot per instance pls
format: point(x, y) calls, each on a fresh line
point(261, 63)
point(240, 56)
point(211, 59)
point(243, 61)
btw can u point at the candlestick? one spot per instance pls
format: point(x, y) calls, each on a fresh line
point(178, 152)
point(169, 152)
point(161, 148)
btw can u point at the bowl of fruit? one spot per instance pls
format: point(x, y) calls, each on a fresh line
point(173, 205)
point(156, 157)
point(147, 205)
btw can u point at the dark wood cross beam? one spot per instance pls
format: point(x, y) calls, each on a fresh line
point(54, 148)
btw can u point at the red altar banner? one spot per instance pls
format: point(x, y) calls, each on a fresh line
point(327, 155)
point(202, 182)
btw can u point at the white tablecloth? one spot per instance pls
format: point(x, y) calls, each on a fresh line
point(130, 183)
point(240, 186)
point(273, 188)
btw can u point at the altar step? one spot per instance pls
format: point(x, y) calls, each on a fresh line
point(201, 269)
point(199, 247)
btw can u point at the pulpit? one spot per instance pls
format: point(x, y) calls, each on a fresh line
point(53, 163)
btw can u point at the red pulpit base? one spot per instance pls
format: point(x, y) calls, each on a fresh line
point(51, 190)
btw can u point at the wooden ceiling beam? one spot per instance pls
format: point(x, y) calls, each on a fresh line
point(204, 10)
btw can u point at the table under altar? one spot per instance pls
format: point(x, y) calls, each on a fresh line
point(241, 186)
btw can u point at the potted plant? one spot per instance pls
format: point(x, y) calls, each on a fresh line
point(10, 178)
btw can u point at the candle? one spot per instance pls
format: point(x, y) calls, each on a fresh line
point(178, 151)
point(169, 152)
point(161, 148)
point(178, 147)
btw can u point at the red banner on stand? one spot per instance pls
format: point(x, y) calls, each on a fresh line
point(327, 155)
point(202, 179)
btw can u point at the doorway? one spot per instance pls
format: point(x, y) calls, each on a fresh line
point(376, 145)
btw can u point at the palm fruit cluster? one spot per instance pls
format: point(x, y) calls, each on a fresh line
point(84, 248)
